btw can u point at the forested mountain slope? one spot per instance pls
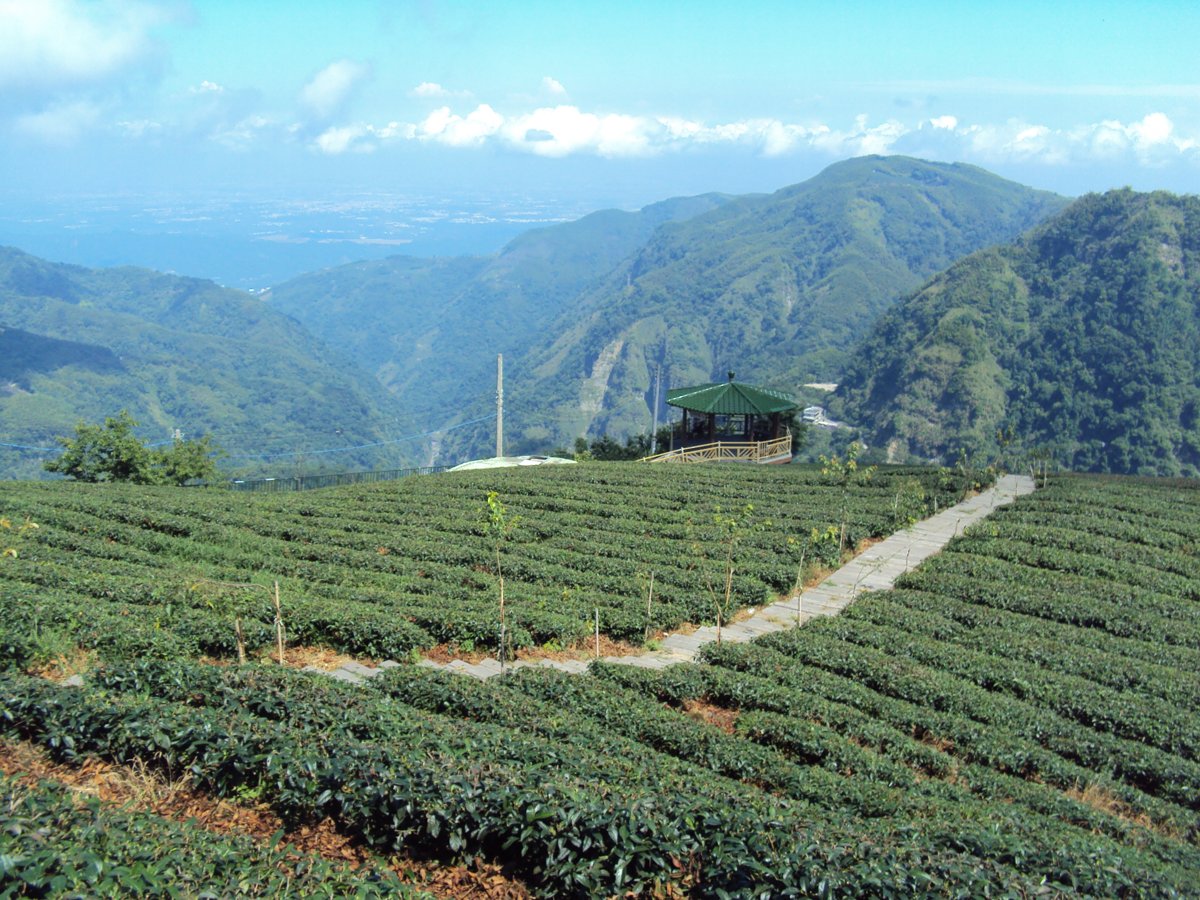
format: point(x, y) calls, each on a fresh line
point(775, 287)
point(183, 353)
point(430, 329)
point(1082, 338)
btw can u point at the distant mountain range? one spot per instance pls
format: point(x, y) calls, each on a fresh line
point(178, 353)
point(776, 287)
point(1081, 337)
point(1071, 328)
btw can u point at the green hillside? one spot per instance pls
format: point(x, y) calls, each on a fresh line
point(430, 329)
point(176, 352)
point(776, 288)
point(1082, 338)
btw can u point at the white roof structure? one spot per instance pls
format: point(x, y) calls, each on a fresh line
point(503, 462)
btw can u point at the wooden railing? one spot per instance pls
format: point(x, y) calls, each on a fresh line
point(778, 450)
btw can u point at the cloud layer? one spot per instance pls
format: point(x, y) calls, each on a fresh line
point(48, 44)
point(565, 130)
point(72, 69)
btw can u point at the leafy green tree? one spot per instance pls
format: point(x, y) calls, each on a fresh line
point(112, 452)
point(184, 461)
point(108, 452)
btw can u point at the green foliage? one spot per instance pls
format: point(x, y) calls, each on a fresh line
point(844, 472)
point(1074, 346)
point(111, 452)
point(1015, 720)
point(499, 526)
point(54, 842)
point(11, 535)
point(176, 353)
point(186, 461)
point(378, 569)
point(108, 452)
point(720, 544)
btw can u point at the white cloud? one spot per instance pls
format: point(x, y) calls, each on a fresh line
point(1152, 140)
point(445, 127)
point(338, 140)
point(54, 43)
point(244, 133)
point(330, 88)
point(60, 124)
point(554, 86)
point(429, 89)
point(557, 131)
point(1154, 129)
point(207, 87)
point(565, 130)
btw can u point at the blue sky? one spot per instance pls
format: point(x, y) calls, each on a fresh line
point(623, 103)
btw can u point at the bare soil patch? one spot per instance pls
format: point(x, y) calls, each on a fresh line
point(719, 717)
point(320, 657)
point(74, 662)
point(1102, 800)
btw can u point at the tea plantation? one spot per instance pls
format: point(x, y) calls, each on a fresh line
point(1017, 718)
point(380, 570)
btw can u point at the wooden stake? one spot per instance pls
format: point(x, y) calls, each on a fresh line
point(279, 626)
point(241, 640)
point(649, 600)
point(597, 632)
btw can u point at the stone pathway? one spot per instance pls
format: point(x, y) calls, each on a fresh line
point(875, 569)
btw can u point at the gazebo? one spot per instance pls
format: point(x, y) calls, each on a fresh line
point(730, 422)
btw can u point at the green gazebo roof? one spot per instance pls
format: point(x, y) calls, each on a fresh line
point(731, 398)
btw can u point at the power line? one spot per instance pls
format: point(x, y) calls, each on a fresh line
point(410, 437)
point(289, 436)
point(27, 447)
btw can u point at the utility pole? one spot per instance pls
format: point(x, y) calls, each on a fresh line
point(654, 427)
point(500, 405)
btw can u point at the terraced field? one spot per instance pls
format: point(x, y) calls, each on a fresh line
point(380, 570)
point(1016, 718)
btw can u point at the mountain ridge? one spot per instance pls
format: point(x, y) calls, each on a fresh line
point(1079, 339)
point(176, 353)
point(775, 287)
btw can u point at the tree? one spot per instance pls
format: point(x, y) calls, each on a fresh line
point(108, 452)
point(845, 473)
point(499, 525)
point(111, 452)
point(184, 461)
point(729, 531)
